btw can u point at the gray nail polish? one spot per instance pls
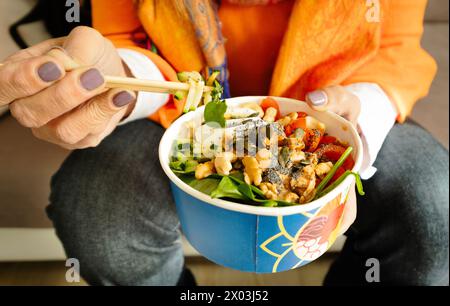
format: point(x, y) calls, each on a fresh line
point(123, 98)
point(49, 72)
point(91, 79)
point(318, 97)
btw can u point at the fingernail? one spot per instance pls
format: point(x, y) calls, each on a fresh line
point(91, 79)
point(49, 72)
point(317, 98)
point(123, 98)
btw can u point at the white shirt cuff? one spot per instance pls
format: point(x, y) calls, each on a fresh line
point(143, 68)
point(377, 117)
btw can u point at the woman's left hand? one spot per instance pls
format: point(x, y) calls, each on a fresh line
point(344, 103)
point(336, 99)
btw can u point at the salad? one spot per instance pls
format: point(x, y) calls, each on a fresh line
point(254, 155)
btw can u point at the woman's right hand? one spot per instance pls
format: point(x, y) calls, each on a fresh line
point(57, 89)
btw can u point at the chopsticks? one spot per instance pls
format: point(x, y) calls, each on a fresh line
point(147, 85)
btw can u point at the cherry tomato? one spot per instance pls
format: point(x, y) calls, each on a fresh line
point(333, 152)
point(299, 123)
point(288, 130)
point(328, 139)
point(337, 174)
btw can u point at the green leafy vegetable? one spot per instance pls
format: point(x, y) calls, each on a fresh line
point(216, 109)
point(227, 189)
point(238, 177)
point(215, 112)
point(183, 166)
point(206, 185)
point(246, 190)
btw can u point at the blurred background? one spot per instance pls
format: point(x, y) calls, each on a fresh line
point(30, 253)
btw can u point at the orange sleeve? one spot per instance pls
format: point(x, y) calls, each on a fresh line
point(120, 23)
point(402, 68)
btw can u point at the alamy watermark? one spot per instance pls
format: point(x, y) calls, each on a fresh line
point(73, 11)
point(73, 273)
point(373, 273)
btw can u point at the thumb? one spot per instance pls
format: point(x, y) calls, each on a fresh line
point(85, 46)
point(80, 48)
point(317, 100)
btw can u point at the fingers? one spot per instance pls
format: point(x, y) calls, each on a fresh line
point(63, 57)
point(87, 47)
point(75, 88)
point(343, 102)
point(35, 50)
point(317, 100)
point(27, 77)
point(336, 99)
point(88, 124)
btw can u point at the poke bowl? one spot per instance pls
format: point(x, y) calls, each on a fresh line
point(248, 228)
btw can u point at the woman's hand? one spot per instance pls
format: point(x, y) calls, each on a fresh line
point(57, 89)
point(342, 102)
point(336, 99)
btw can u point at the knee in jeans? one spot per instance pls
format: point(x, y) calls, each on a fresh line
point(424, 218)
point(116, 240)
point(112, 254)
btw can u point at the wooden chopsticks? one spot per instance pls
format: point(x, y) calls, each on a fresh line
point(147, 85)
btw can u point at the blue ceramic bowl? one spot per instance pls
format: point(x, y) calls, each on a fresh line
point(261, 239)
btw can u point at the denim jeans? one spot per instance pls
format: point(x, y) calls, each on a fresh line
point(113, 210)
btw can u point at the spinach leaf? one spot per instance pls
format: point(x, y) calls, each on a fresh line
point(183, 167)
point(248, 192)
point(238, 177)
point(215, 112)
point(231, 186)
point(206, 185)
point(227, 189)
